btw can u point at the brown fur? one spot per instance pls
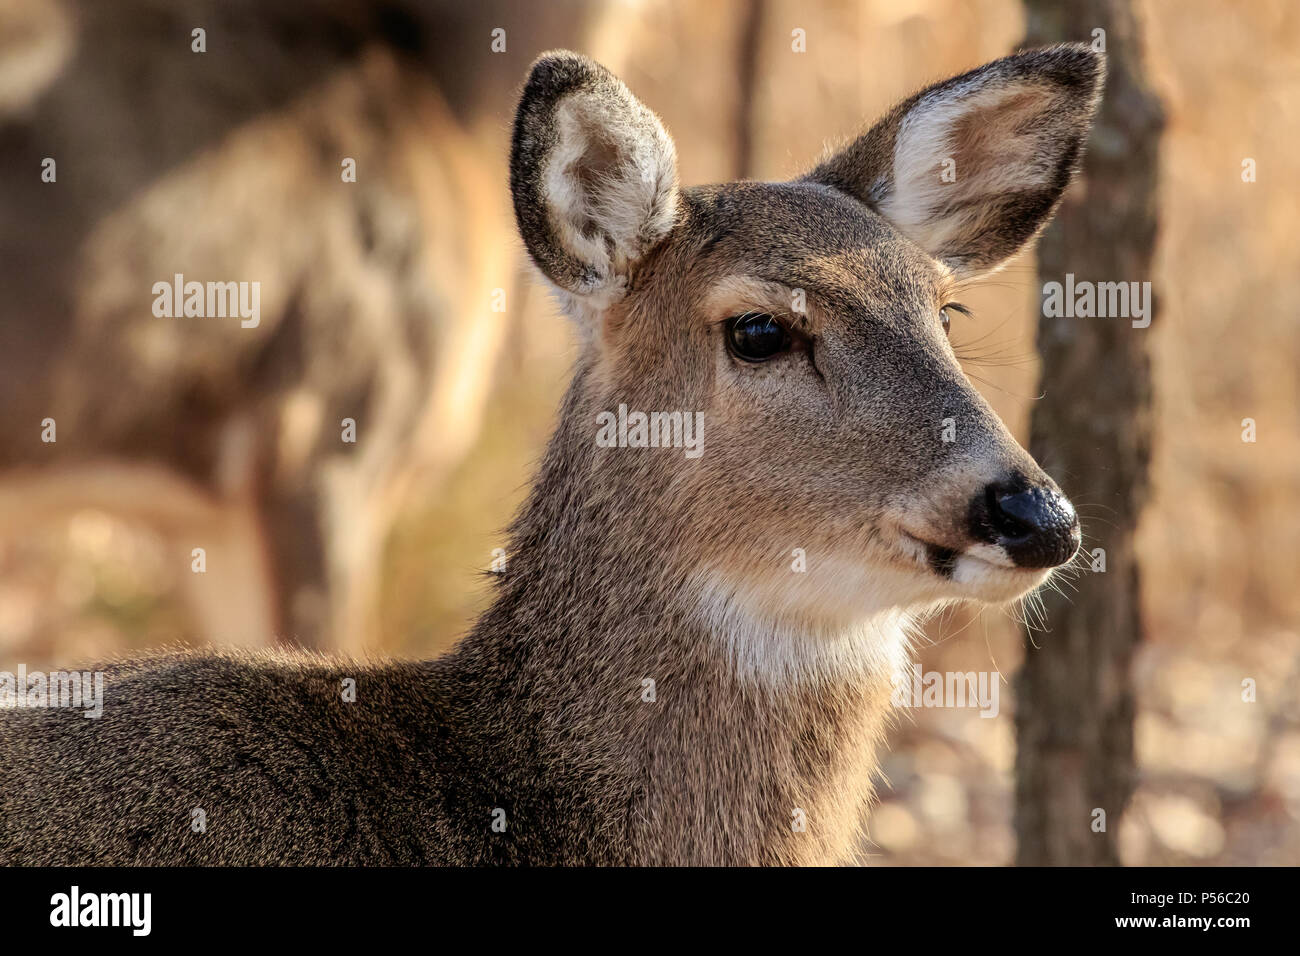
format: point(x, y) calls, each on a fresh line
point(627, 566)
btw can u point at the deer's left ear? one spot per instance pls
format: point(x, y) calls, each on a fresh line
point(593, 175)
point(971, 168)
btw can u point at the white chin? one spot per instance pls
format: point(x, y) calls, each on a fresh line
point(983, 580)
point(982, 572)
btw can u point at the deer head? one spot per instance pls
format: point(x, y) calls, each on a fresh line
point(807, 322)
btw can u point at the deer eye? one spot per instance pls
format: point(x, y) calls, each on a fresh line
point(756, 337)
point(945, 315)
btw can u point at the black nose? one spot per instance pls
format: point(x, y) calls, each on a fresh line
point(1036, 525)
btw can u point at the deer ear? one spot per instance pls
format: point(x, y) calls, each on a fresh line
point(971, 168)
point(593, 175)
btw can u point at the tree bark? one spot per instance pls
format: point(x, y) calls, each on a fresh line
point(1092, 432)
point(749, 53)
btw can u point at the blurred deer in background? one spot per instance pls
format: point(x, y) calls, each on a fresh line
point(654, 682)
point(227, 165)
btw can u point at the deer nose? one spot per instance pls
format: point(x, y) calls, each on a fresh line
point(1035, 524)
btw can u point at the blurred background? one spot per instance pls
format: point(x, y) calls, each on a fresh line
point(403, 301)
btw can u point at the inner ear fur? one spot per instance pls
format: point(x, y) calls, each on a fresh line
point(972, 168)
point(593, 176)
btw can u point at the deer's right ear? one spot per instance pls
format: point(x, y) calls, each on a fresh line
point(593, 175)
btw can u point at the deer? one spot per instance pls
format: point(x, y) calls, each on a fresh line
point(653, 683)
point(286, 458)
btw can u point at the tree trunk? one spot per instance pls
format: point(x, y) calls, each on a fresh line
point(1092, 432)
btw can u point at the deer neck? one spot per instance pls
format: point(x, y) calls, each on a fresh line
point(719, 733)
